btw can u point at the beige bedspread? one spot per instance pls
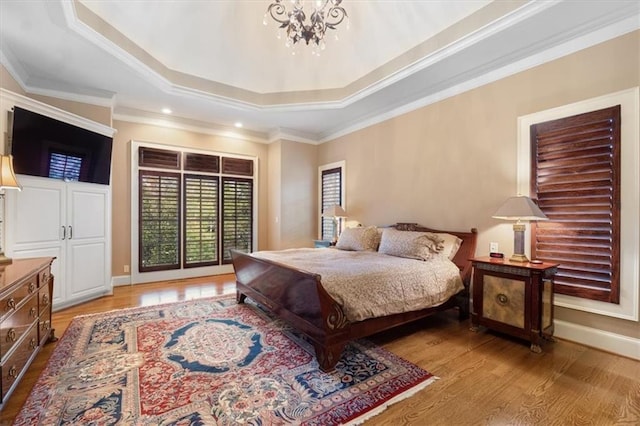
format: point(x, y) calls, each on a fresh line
point(370, 284)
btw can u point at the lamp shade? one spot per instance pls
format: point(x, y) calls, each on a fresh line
point(334, 211)
point(519, 208)
point(7, 175)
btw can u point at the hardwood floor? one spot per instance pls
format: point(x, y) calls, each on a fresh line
point(485, 378)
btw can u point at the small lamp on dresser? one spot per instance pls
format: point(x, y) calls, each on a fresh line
point(520, 208)
point(7, 181)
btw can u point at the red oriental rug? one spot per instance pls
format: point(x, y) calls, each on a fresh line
point(208, 362)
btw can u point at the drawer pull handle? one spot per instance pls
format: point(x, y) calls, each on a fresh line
point(32, 343)
point(11, 335)
point(32, 287)
point(502, 299)
point(45, 299)
point(13, 372)
point(45, 278)
point(46, 326)
point(32, 312)
point(11, 304)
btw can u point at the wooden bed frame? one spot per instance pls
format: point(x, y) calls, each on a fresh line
point(299, 298)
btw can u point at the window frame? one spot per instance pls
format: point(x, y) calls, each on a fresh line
point(136, 276)
point(629, 99)
point(343, 199)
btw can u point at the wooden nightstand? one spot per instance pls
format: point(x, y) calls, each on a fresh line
point(514, 298)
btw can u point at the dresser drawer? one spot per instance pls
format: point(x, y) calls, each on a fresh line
point(11, 301)
point(13, 366)
point(15, 325)
point(503, 300)
point(44, 300)
point(43, 277)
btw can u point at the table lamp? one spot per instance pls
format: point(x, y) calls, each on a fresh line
point(334, 211)
point(520, 208)
point(7, 181)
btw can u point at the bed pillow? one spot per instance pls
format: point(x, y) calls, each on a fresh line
point(410, 244)
point(451, 245)
point(363, 238)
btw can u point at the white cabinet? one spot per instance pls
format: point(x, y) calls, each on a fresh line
point(68, 220)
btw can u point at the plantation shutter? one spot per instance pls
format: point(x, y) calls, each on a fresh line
point(159, 220)
point(237, 216)
point(200, 220)
point(331, 195)
point(575, 176)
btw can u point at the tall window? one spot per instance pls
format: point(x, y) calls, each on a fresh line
point(575, 175)
point(192, 209)
point(331, 193)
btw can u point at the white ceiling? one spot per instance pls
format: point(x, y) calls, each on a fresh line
point(214, 62)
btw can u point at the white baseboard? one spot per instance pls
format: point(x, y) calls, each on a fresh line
point(121, 280)
point(610, 342)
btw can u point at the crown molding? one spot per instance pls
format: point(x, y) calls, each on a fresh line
point(55, 113)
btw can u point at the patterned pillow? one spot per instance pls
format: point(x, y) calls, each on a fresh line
point(451, 245)
point(410, 244)
point(358, 239)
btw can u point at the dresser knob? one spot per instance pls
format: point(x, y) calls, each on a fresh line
point(11, 304)
point(46, 326)
point(32, 287)
point(11, 335)
point(502, 299)
point(32, 343)
point(32, 312)
point(13, 372)
point(45, 299)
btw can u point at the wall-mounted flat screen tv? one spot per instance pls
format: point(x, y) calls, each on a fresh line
point(43, 146)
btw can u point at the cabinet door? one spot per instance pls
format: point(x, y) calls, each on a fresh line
point(36, 225)
point(88, 253)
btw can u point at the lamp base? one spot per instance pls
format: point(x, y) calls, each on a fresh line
point(4, 260)
point(518, 258)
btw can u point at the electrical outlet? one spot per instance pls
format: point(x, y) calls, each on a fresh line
point(493, 247)
point(126, 268)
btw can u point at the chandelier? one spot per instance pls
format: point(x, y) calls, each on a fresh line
point(326, 14)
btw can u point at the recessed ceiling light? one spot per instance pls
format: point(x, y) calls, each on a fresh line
point(238, 124)
point(166, 110)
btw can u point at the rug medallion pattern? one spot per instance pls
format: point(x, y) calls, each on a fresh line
point(208, 362)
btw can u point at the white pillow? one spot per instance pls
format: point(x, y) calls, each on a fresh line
point(358, 239)
point(409, 244)
point(451, 245)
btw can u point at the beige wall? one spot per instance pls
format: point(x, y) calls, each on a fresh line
point(121, 176)
point(292, 194)
point(451, 164)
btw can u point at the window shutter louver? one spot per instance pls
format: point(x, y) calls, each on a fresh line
point(200, 220)
point(159, 220)
point(201, 163)
point(331, 195)
point(576, 180)
point(237, 166)
point(237, 216)
point(159, 158)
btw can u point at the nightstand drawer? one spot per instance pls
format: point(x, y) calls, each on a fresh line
point(503, 300)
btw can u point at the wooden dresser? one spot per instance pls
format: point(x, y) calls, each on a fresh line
point(26, 288)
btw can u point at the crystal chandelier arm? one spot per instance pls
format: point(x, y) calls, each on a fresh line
point(337, 14)
point(276, 10)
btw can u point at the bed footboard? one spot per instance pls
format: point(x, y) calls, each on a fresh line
point(297, 297)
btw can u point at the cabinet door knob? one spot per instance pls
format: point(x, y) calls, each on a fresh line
point(502, 299)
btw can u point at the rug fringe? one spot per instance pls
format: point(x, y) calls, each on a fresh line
point(404, 395)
